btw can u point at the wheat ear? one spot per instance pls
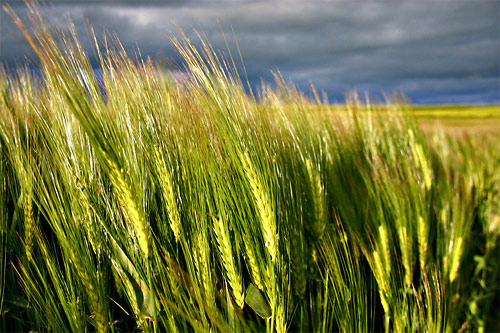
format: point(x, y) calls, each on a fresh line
point(203, 263)
point(96, 303)
point(423, 234)
point(382, 279)
point(455, 259)
point(29, 227)
point(384, 242)
point(317, 198)
point(166, 184)
point(134, 215)
point(252, 262)
point(226, 251)
point(264, 207)
point(280, 317)
point(425, 166)
point(406, 252)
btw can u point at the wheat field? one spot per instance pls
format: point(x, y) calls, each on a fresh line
point(139, 200)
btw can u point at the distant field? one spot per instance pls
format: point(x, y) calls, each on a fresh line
point(452, 119)
point(457, 111)
point(459, 119)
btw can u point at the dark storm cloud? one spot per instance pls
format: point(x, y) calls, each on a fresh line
point(434, 51)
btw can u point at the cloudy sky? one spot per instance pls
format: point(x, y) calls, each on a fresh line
point(444, 51)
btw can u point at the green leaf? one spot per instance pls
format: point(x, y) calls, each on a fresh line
point(144, 299)
point(481, 264)
point(143, 295)
point(257, 302)
point(16, 300)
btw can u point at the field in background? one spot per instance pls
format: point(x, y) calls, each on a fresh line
point(454, 120)
point(457, 111)
point(459, 120)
